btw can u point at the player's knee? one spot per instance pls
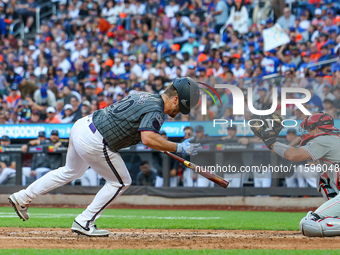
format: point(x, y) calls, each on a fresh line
point(127, 182)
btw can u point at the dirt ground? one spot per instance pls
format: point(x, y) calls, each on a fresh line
point(45, 238)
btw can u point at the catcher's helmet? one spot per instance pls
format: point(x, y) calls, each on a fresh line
point(188, 93)
point(320, 120)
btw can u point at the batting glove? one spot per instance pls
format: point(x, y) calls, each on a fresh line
point(188, 148)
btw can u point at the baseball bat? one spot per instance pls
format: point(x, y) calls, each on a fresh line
point(210, 176)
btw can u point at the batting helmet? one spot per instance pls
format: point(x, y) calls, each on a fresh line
point(320, 120)
point(188, 93)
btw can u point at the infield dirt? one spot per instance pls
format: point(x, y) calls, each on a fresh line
point(45, 238)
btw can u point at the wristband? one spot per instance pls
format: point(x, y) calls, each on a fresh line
point(179, 148)
point(280, 148)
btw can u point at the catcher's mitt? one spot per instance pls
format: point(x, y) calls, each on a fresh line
point(266, 127)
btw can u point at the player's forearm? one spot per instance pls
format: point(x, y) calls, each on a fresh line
point(297, 155)
point(2, 165)
point(157, 142)
point(290, 153)
point(13, 165)
point(34, 142)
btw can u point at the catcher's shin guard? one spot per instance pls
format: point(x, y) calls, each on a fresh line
point(314, 226)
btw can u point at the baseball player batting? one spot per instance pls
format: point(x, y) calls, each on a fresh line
point(96, 139)
point(321, 141)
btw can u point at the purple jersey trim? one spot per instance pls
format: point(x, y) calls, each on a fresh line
point(93, 128)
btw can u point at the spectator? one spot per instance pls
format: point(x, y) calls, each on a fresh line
point(35, 117)
point(101, 100)
point(181, 28)
point(146, 176)
point(328, 106)
point(325, 54)
point(220, 14)
point(315, 103)
point(234, 160)
point(149, 69)
point(40, 161)
point(315, 54)
point(44, 97)
point(271, 63)
point(171, 9)
point(287, 20)
point(238, 17)
point(119, 67)
point(217, 43)
point(23, 109)
point(317, 17)
point(262, 9)
point(109, 10)
point(164, 24)
point(178, 63)
point(327, 93)
point(287, 61)
point(27, 11)
point(42, 69)
point(189, 46)
point(7, 162)
point(75, 108)
point(14, 96)
point(51, 115)
point(55, 159)
point(162, 47)
point(237, 70)
point(135, 68)
point(306, 60)
point(68, 115)
point(95, 104)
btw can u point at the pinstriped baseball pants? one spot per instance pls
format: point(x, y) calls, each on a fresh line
point(86, 148)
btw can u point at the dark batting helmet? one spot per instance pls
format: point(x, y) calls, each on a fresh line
point(188, 93)
point(320, 120)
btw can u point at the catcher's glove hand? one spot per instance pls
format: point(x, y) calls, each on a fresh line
point(267, 127)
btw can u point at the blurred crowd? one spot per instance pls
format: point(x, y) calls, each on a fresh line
point(92, 53)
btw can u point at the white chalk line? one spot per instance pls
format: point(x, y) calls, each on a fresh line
point(45, 215)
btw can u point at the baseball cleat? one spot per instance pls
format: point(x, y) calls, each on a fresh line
point(22, 211)
point(91, 231)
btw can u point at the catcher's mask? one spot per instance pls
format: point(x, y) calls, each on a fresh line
point(320, 120)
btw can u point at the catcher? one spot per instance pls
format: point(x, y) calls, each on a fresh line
point(321, 141)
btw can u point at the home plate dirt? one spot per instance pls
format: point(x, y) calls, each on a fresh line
point(54, 238)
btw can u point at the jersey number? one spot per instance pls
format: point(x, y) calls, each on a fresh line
point(124, 105)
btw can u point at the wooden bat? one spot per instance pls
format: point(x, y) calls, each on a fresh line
point(210, 176)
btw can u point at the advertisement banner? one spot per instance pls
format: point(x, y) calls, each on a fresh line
point(172, 129)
